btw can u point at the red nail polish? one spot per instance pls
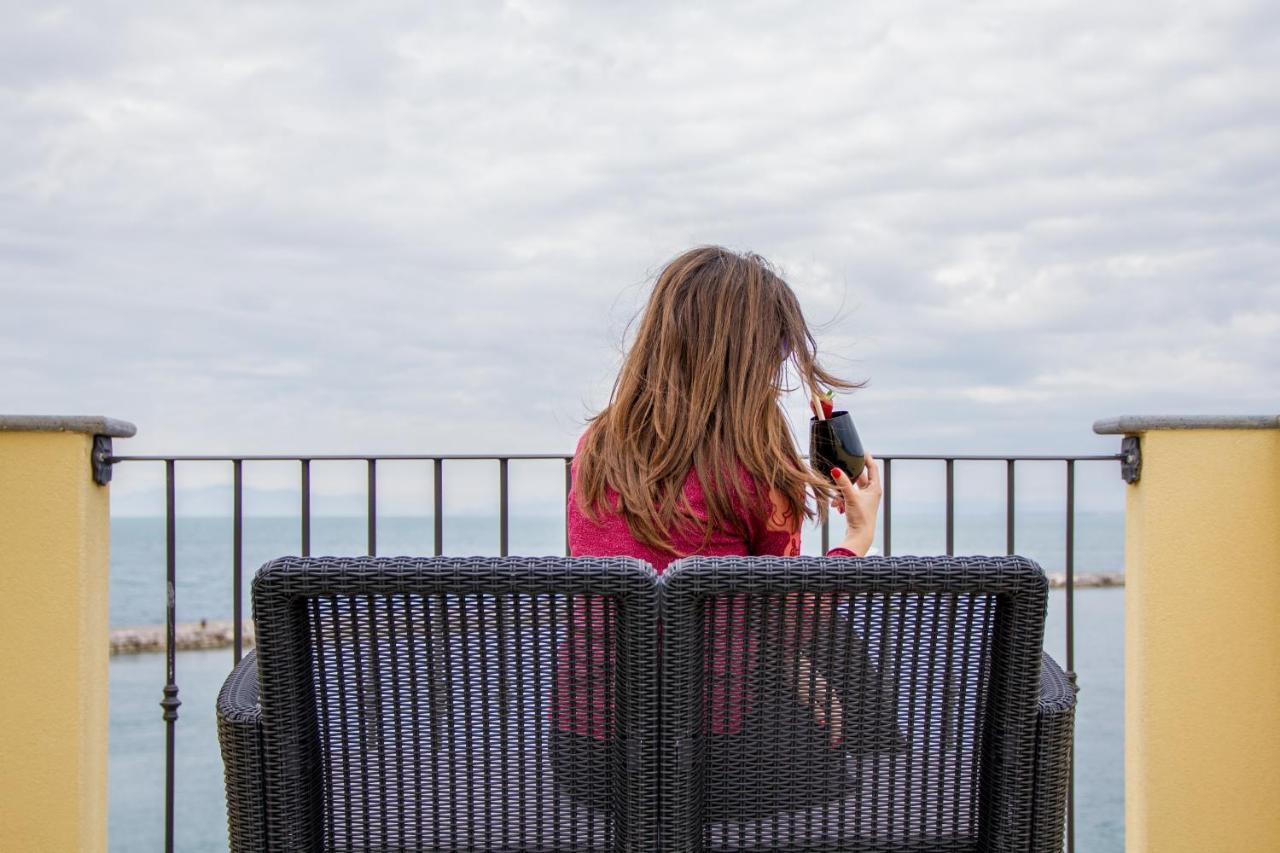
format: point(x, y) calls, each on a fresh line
point(835, 473)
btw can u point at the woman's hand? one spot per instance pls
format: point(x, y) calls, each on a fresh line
point(860, 502)
point(817, 694)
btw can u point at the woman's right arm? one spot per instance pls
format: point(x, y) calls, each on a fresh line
point(779, 534)
point(860, 503)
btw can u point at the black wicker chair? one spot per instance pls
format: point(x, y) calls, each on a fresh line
point(513, 704)
point(421, 704)
point(881, 704)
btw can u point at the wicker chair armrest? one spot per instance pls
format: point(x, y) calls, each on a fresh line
point(240, 737)
point(1055, 727)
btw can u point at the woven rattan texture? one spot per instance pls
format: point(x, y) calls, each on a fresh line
point(240, 738)
point(1054, 730)
point(420, 703)
point(934, 664)
point(513, 704)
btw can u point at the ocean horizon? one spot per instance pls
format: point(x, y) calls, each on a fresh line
point(204, 558)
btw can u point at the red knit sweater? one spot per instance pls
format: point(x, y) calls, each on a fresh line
point(769, 534)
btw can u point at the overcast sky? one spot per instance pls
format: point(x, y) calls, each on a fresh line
point(424, 227)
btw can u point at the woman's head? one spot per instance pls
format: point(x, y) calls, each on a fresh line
point(701, 386)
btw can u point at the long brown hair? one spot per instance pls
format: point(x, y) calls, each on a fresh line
point(700, 388)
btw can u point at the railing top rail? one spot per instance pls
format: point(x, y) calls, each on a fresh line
point(460, 457)
point(339, 457)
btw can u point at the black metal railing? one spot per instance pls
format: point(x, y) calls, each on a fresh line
point(170, 692)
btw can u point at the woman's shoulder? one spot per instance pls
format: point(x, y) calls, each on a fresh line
point(766, 503)
point(777, 527)
point(781, 515)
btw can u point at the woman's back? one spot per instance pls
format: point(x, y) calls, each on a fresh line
point(610, 536)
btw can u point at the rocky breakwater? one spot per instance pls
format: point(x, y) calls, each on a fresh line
point(204, 634)
point(1087, 580)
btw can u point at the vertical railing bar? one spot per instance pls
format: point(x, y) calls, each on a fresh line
point(951, 507)
point(306, 507)
point(826, 531)
point(888, 507)
point(1071, 644)
point(1009, 518)
point(237, 557)
point(502, 507)
point(568, 489)
point(1071, 564)
point(170, 702)
point(437, 491)
point(373, 507)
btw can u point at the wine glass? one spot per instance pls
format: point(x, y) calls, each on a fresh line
point(834, 443)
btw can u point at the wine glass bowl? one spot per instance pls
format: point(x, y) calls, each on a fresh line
point(834, 443)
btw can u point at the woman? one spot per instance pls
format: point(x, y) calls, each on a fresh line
point(693, 456)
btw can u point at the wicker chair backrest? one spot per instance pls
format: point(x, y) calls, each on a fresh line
point(872, 705)
point(412, 703)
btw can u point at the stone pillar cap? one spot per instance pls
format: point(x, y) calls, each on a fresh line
point(88, 424)
point(1134, 424)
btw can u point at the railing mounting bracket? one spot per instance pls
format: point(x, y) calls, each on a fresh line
point(100, 459)
point(1130, 459)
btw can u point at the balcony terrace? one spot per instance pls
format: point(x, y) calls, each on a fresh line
point(1201, 655)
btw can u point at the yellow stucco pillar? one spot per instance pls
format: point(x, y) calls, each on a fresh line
point(1202, 634)
point(53, 634)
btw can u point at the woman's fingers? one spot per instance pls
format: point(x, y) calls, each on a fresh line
point(872, 471)
point(870, 475)
point(820, 698)
point(802, 677)
point(847, 491)
point(816, 693)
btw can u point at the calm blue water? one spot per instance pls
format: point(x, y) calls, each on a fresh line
point(204, 591)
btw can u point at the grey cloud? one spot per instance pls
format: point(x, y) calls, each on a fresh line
point(301, 227)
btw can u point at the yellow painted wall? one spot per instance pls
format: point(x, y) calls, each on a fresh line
point(53, 645)
point(1202, 661)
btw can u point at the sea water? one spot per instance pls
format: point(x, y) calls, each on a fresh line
point(204, 591)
